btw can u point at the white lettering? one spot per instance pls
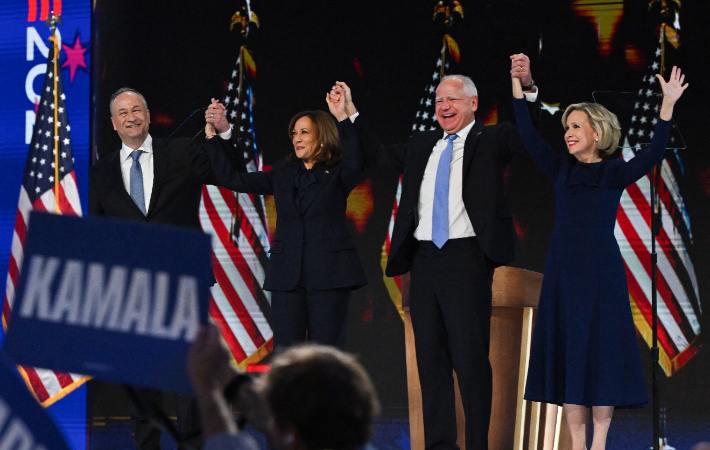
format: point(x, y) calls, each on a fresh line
point(69, 296)
point(160, 305)
point(187, 313)
point(34, 72)
point(33, 38)
point(101, 302)
point(37, 288)
point(16, 436)
point(86, 297)
point(29, 126)
point(138, 302)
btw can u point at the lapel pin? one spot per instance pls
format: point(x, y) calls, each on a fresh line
point(327, 171)
point(479, 132)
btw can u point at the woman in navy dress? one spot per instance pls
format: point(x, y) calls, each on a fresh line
point(584, 348)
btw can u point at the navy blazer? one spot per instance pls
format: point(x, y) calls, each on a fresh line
point(317, 243)
point(487, 152)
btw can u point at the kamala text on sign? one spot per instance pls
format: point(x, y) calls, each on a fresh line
point(87, 298)
point(126, 297)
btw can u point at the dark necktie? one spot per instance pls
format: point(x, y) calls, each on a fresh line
point(136, 177)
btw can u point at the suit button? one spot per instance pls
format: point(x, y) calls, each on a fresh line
point(409, 212)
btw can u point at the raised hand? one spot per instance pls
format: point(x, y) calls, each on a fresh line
point(206, 359)
point(342, 100)
point(672, 90)
point(520, 68)
point(336, 103)
point(215, 115)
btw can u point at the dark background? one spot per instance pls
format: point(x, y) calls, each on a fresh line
point(180, 54)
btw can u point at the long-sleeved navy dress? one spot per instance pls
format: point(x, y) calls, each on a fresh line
point(584, 348)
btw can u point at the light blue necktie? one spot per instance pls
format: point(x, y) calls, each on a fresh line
point(137, 181)
point(440, 213)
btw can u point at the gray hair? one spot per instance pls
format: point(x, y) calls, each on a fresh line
point(468, 87)
point(121, 91)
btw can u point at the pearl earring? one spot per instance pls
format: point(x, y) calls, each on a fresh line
point(595, 140)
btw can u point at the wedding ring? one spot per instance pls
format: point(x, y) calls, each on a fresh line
point(213, 113)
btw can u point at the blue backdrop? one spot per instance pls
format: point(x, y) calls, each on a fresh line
point(23, 55)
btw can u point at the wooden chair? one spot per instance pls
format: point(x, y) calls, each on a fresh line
point(513, 424)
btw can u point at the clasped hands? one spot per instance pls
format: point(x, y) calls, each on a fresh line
point(340, 101)
point(216, 119)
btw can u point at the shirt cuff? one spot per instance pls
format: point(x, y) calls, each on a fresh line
point(354, 116)
point(531, 96)
point(228, 134)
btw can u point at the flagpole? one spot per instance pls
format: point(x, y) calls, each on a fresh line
point(52, 23)
point(242, 18)
point(658, 440)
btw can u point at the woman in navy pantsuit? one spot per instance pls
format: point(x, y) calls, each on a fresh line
point(584, 348)
point(313, 264)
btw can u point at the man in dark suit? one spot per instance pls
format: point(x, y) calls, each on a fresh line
point(157, 181)
point(453, 227)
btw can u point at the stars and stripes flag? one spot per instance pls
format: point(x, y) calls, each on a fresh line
point(48, 185)
point(677, 293)
point(424, 120)
point(237, 221)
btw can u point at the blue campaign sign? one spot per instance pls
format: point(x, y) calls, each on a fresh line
point(24, 424)
point(118, 300)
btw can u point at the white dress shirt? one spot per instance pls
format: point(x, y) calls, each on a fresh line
point(459, 222)
point(146, 162)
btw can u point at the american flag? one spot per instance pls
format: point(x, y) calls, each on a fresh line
point(48, 185)
point(678, 301)
point(424, 120)
point(241, 308)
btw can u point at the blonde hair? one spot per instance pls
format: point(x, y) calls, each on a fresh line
point(602, 121)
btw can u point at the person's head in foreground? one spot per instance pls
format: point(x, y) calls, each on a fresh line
point(318, 398)
point(313, 398)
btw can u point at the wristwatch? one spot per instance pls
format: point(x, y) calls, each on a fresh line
point(530, 86)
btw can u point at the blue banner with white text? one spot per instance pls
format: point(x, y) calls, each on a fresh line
point(118, 300)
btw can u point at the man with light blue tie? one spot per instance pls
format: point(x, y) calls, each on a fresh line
point(453, 228)
point(156, 181)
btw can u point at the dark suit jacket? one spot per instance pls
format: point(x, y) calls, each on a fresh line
point(317, 243)
point(178, 177)
point(487, 152)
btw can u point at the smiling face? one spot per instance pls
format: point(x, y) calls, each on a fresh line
point(304, 137)
point(454, 109)
point(581, 137)
point(130, 119)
